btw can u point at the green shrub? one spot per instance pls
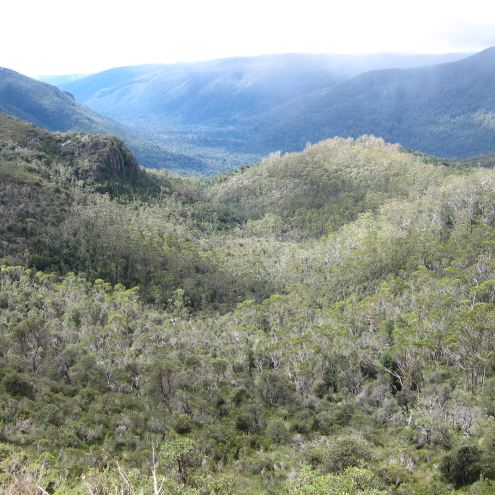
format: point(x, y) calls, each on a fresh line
point(223, 485)
point(274, 388)
point(337, 416)
point(346, 452)
point(276, 431)
point(183, 424)
point(249, 419)
point(482, 487)
point(463, 466)
point(355, 481)
point(17, 385)
point(303, 421)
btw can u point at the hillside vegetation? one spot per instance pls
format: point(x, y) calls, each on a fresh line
point(327, 185)
point(49, 107)
point(444, 109)
point(46, 105)
point(320, 323)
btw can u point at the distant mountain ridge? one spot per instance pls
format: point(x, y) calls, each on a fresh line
point(57, 110)
point(206, 117)
point(214, 110)
point(226, 89)
point(447, 109)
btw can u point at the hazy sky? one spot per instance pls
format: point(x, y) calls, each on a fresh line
point(73, 36)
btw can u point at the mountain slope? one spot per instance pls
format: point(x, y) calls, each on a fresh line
point(49, 107)
point(206, 109)
point(178, 340)
point(46, 105)
point(221, 91)
point(161, 344)
point(57, 210)
point(92, 161)
point(447, 110)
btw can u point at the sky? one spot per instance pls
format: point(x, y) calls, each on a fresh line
point(48, 37)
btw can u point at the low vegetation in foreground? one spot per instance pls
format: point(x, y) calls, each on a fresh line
point(322, 323)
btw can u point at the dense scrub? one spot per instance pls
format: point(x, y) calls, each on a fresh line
point(179, 336)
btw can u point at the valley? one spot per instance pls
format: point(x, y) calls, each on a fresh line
point(321, 322)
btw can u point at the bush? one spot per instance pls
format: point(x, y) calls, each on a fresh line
point(394, 475)
point(249, 419)
point(482, 487)
point(274, 388)
point(222, 485)
point(353, 481)
point(276, 431)
point(239, 395)
point(303, 421)
point(221, 442)
point(261, 463)
point(17, 386)
point(462, 466)
point(183, 424)
point(346, 452)
point(330, 420)
point(430, 431)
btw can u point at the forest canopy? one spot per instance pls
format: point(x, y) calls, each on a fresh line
point(320, 323)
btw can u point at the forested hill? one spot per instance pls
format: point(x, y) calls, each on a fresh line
point(46, 105)
point(445, 109)
point(57, 110)
point(320, 323)
point(102, 162)
point(226, 90)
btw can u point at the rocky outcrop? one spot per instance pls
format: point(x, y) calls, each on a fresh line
point(100, 157)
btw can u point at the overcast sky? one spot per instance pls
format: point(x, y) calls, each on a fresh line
point(43, 37)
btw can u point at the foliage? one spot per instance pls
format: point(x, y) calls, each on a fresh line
point(192, 337)
point(344, 453)
point(353, 480)
point(463, 466)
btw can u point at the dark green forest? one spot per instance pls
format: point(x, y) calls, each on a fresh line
point(320, 323)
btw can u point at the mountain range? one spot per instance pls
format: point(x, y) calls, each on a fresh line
point(223, 109)
point(446, 110)
point(54, 109)
point(221, 92)
point(207, 117)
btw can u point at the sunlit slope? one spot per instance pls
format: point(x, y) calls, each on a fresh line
point(328, 184)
